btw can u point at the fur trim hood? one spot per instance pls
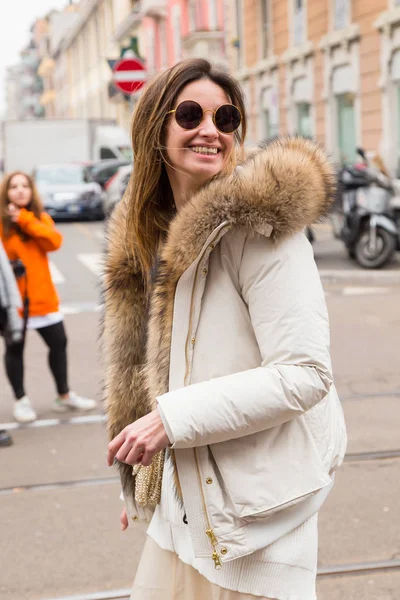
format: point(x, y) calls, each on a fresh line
point(278, 190)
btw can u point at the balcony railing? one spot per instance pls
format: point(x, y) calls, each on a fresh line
point(204, 43)
point(154, 7)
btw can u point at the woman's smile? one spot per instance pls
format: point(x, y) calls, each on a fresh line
point(196, 155)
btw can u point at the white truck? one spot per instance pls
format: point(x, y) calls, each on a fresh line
point(27, 144)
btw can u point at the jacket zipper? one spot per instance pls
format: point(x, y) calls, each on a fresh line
point(187, 371)
point(209, 531)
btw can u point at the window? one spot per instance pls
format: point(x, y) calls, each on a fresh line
point(192, 15)
point(269, 114)
point(304, 119)
point(398, 128)
point(239, 34)
point(106, 153)
point(61, 174)
point(151, 49)
point(176, 31)
point(163, 45)
point(213, 15)
point(264, 27)
point(298, 22)
point(342, 14)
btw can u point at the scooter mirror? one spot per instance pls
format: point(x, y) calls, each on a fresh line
point(361, 152)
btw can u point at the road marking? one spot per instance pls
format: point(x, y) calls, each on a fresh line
point(92, 261)
point(371, 395)
point(81, 420)
point(80, 307)
point(342, 275)
point(40, 487)
point(100, 235)
point(359, 568)
point(364, 291)
point(56, 275)
point(378, 455)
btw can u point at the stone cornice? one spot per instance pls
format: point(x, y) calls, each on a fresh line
point(339, 37)
point(296, 53)
point(388, 19)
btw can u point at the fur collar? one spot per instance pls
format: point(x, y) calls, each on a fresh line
point(279, 189)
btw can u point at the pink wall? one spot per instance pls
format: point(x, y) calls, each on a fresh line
point(171, 45)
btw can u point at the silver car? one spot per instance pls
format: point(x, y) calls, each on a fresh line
point(68, 192)
point(115, 188)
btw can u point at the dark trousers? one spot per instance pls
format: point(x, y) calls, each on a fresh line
point(56, 340)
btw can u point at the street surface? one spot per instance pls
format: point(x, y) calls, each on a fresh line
point(59, 502)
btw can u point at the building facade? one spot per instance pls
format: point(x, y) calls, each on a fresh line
point(77, 45)
point(82, 73)
point(58, 24)
point(323, 68)
point(24, 85)
point(170, 30)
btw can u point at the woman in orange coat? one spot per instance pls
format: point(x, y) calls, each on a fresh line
point(28, 234)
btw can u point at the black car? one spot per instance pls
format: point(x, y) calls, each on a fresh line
point(102, 170)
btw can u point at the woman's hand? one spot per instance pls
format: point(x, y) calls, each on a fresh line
point(124, 519)
point(13, 212)
point(139, 442)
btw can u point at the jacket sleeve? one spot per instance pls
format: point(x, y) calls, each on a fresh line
point(281, 287)
point(42, 230)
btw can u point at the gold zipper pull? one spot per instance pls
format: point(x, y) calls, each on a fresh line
point(214, 555)
point(212, 537)
point(217, 562)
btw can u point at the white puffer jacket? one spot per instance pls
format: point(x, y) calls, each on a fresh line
point(237, 351)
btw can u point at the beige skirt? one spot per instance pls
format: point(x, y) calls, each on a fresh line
point(161, 575)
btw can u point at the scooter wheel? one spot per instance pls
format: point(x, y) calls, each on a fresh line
point(386, 245)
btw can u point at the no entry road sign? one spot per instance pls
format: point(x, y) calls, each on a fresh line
point(129, 75)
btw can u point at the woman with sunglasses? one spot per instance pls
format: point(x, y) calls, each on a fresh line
point(222, 414)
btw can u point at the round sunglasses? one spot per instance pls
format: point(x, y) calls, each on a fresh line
point(189, 114)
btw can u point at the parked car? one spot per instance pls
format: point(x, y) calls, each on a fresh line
point(115, 188)
point(67, 191)
point(101, 171)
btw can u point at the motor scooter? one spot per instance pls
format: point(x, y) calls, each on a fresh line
point(365, 220)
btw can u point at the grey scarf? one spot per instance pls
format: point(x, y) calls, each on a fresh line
point(10, 299)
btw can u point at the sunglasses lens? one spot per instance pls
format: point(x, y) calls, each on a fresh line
point(189, 114)
point(227, 118)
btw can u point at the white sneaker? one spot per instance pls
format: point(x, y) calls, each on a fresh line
point(74, 402)
point(23, 411)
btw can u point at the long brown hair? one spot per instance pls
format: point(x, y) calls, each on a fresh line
point(35, 205)
point(150, 201)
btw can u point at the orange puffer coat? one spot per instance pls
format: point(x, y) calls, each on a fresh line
point(43, 237)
